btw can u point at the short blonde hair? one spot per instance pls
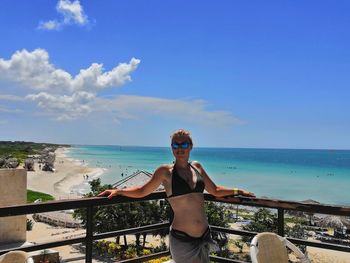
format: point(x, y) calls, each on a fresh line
point(181, 132)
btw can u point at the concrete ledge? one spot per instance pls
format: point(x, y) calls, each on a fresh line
point(13, 191)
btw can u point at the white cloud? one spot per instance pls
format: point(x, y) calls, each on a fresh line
point(135, 107)
point(62, 96)
point(33, 70)
point(130, 107)
point(72, 13)
point(11, 97)
point(93, 77)
point(64, 107)
point(50, 25)
point(7, 110)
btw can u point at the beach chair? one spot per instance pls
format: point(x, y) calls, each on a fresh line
point(16, 257)
point(271, 248)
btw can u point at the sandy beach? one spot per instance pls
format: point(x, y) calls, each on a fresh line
point(61, 184)
point(63, 181)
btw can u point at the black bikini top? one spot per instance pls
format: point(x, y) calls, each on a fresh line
point(180, 187)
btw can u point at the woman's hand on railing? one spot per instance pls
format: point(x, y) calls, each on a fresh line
point(246, 193)
point(110, 193)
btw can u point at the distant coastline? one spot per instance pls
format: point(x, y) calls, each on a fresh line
point(22, 150)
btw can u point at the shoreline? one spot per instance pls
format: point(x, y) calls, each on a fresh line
point(68, 181)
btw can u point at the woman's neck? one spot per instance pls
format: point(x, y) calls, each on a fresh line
point(181, 163)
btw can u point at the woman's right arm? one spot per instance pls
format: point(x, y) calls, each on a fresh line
point(139, 191)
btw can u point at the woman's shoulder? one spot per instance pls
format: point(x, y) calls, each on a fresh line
point(196, 164)
point(165, 168)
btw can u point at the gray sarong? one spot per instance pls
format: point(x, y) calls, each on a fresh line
point(187, 249)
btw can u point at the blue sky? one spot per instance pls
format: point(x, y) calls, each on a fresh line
point(271, 74)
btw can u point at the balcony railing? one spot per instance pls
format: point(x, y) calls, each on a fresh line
point(90, 203)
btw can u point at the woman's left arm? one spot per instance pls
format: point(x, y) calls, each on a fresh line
point(217, 190)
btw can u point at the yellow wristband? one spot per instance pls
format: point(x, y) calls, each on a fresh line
point(235, 191)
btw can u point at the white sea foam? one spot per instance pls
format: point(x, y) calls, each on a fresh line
point(84, 187)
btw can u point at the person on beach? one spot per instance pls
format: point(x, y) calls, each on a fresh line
point(184, 183)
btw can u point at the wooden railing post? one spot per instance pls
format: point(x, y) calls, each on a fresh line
point(89, 234)
point(280, 220)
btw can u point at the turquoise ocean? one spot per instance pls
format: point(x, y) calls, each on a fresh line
point(287, 174)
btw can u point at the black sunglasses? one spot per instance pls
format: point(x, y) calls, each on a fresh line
point(184, 145)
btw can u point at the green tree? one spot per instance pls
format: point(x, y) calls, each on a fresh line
point(263, 221)
point(218, 216)
point(122, 216)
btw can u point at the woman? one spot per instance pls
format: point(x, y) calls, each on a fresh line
point(184, 183)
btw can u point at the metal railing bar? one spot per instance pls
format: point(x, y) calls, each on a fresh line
point(94, 237)
point(73, 204)
point(232, 231)
point(101, 201)
point(287, 205)
point(46, 245)
point(280, 220)
point(319, 244)
point(89, 234)
point(131, 230)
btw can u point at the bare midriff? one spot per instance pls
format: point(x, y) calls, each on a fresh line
point(189, 214)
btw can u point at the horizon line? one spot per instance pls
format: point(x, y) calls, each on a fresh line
point(153, 146)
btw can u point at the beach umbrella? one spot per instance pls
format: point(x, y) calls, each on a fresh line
point(331, 221)
point(346, 222)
